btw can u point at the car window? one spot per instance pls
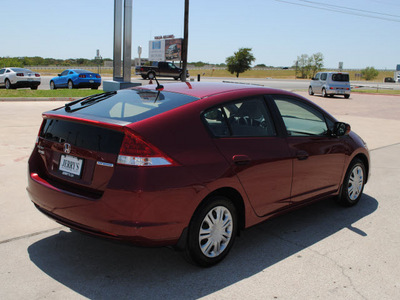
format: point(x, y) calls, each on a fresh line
point(133, 105)
point(317, 76)
point(244, 118)
point(2, 71)
point(300, 118)
point(323, 76)
point(64, 73)
point(8, 71)
point(340, 77)
point(70, 72)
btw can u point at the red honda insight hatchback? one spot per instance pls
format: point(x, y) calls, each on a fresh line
point(190, 165)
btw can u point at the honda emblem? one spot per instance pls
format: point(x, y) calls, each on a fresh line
point(67, 148)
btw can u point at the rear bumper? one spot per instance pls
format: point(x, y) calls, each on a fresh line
point(338, 92)
point(87, 84)
point(26, 83)
point(116, 215)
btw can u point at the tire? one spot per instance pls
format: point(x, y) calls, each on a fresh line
point(95, 88)
point(212, 232)
point(52, 85)
point(310, 91)
point(176, 78)
point(346, 96)
point(34, 87)
point(144, 76)
point(353, 184)
point(70, 84)
point(8, 84)
point(149, 75)
point(324, 93)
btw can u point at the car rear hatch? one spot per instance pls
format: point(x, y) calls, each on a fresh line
point(80, 144)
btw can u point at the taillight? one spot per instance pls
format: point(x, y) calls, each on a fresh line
point(98, 76)
point(20, 74)
point(37, 75)
point(82, 76)
point(331, 88)
point(136, 152)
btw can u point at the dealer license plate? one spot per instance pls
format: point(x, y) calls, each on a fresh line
point(340, 91)
point(91, 81)
point(70, 166)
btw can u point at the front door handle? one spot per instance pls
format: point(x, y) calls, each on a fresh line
point(241, 159)
point(302, 155)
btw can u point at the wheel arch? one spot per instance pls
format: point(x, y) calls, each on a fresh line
point(237, 200)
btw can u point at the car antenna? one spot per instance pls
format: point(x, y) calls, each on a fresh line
point(159, 87)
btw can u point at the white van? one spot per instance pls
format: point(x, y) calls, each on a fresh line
point(330, 84)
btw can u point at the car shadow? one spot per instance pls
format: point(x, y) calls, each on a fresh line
point(97, 268)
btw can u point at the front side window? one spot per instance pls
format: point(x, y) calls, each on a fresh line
point(300, 118)
point(64, 73)
point(244, 118)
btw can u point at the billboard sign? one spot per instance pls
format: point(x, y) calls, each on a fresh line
point(165, 49)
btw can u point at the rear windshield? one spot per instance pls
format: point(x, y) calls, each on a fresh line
point(132, 105)
point(20, 70)
point(82, 71)
point(340, 77)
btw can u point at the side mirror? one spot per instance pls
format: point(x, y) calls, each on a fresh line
point(59, 74)
point(341, 129)
point(313, 78)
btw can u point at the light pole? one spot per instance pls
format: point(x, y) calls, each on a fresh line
point(185, 41)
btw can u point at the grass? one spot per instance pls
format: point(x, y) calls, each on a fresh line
point(22, 93)
point(376, 91)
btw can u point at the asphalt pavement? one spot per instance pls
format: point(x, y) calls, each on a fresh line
point(322, 251)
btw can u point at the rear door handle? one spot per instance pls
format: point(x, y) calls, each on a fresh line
point(302, 155)
point(241, 159)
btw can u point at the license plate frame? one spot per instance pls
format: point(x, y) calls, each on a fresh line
point(71, 166)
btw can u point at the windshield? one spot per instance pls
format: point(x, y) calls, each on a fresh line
point(340, 77)
point(132, 105)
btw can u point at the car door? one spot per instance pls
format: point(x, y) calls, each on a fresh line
point(62, 80)
point(318, 157)
point(245, 134)
point(2, 77)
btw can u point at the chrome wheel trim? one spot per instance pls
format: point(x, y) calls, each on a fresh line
point(52, 85)
point(70, 85)
point(8, 85)
point(356, 182)
point(215, 231)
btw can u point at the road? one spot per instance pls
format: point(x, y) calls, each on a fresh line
point(319, 252)
point(287, 84)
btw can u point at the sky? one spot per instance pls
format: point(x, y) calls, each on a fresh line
point(359, 33)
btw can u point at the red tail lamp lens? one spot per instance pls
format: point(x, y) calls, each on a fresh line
point(98, 76)
point(136, 152)
point(37, 75)
point(82, 76)
point(20, 74)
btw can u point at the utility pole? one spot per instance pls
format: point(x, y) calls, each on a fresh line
point(185, 41)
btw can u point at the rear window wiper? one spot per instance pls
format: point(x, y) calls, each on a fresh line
point(90, 99)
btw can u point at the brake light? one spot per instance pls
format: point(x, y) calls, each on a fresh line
point(82, 76)
point(20, 74)
point(98, 76)
point(37, 75)
point(136, 152)
point(331, 88)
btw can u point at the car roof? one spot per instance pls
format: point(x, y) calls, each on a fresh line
point(205, 89)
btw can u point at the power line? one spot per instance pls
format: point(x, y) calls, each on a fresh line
point(338, 10)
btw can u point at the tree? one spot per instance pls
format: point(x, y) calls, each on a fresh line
point(316, 63)
point(240, 61)
point(309, 65)
point(369, 73)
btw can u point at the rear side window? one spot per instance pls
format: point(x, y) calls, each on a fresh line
point(244, 118)
point(133, 105)
point(340, 77)
point(323, 76)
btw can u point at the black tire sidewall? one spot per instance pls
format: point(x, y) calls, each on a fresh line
point(193, 251)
